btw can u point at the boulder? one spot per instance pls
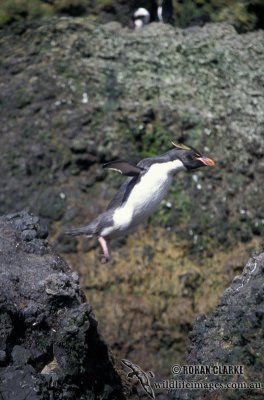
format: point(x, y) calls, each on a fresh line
point(50, 347)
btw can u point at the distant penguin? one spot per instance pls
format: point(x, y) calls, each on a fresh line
point(165, 11)
point(141, 17)
point(140, 195)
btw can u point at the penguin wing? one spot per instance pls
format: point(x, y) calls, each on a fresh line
point(124, 168)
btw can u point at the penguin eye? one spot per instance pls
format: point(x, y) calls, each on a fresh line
point(195, 156)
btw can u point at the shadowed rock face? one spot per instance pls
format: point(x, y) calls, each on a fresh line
point(232, 334)
point(49, 344)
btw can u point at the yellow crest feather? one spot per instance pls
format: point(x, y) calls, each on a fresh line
point(181, 146)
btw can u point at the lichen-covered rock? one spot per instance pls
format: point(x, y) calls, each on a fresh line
point(49, 343)
point(75, 94)
point(232, 335)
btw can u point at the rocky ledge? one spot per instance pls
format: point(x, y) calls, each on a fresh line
point(49, 344)
point(232, 336)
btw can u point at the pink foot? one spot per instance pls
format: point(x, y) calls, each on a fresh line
point(105, 257)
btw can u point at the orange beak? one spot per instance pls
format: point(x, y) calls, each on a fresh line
point(207, 161)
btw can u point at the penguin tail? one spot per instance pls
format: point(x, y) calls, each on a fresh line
point(85, 230)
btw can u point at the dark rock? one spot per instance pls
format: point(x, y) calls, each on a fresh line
point(51, 204)
point(66, 244)
point(50, 346)
point(2, 356)
point(28, 235)
point(233, 335)
point(20, 355)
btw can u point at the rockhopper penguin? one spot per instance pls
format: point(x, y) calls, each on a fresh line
point(140, 195)
point(141, 17)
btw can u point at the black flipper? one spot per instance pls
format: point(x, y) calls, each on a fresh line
point(88, 230)
point(124, 168)
point(79, 231)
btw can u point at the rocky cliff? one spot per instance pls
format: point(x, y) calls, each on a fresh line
point(74, 95)
point(231, 336)
point(50, 346)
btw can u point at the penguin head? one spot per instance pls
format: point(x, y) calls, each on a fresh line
point(191, 158)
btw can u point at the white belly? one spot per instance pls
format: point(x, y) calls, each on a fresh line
point(144, 199)
point(147, 195)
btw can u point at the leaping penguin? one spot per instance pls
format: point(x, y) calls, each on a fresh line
point(140, 195)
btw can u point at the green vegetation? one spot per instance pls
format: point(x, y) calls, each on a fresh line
point(244, 15)
point(154, 141)
point(180, 209)
point(16, 10)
